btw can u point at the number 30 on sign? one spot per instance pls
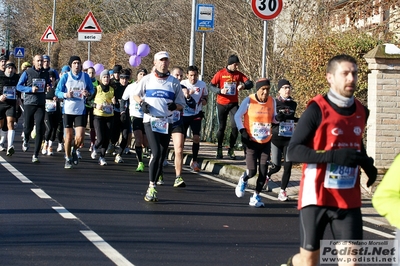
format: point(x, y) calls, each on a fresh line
point(267, 9)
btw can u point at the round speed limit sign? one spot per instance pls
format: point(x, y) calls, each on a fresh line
point(267, 9)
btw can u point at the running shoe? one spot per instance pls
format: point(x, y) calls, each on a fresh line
point(75, 159)
point(68, 164)
point(50, 151)
point(91, 147)
point(255, 201)
point(25, 146)
point(231, 154)
point(165, 163)
point(44, 148)
point(179, 182)
point(219, 153)
point(118, 159)
point(151, 194)
point(2, 148)
point(283, 196)
point(60, 147)
point(140, 167)
point(195, 166)
point(10, 150)
point(102, 161)
point(35, 159)
point(127, 151)
point(78, 153)
point(160, 180)
point(240, 188)
point(93, 155)
point(110, 149)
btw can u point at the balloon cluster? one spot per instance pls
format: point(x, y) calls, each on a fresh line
point(97, 67)
point(136, 52)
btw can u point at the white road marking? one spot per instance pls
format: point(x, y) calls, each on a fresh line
point(105, 248)
point(377, 232)
point(14, 171)
point(64, 213)
point(40, 193)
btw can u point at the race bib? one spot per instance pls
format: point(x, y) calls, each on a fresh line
point(189, 111)
point(159, 125)
point(40, 83)
point(10, 92)
point(261, 131)
point(108, 109)
point(77, 93)
point(286, 129)
point(137, 107)
point(175, 117)
point(50, 105)
point(340, 177)
point(231, 86)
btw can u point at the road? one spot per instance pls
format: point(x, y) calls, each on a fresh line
point(96, 215)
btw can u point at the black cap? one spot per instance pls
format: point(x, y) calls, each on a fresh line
point(10, 64)
point(282, 83)
point(233, 59)
point(74, 58)
point(117, 69)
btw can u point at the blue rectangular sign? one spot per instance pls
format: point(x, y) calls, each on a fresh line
point(19, 52)
point(205, 18)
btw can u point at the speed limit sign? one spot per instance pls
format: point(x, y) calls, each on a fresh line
point(267, 9)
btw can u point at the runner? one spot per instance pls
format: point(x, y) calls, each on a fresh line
point(74, 87)
point(253, 119)
point(103, 116)
point(136, 114)
point(33, 83)
point(328, 140)
point(196, 95)
point(227, 83)
point(158, 94)
point(8, 105)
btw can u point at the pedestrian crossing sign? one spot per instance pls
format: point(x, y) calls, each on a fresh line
point(19, 52)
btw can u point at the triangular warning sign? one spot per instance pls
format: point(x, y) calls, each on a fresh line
point(49, 35)
point(89, 24)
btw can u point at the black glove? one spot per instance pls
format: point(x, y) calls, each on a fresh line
point(123, 117)
point(145, 107)
point(171, 106)
point(370, 170)
point(245, 136)
point(280, 117)
point(346, 157)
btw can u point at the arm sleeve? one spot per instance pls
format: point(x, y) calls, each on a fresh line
point(298, 150)
point(61, 89)
point(386, 199)
point(21, 83)
point(240, 113)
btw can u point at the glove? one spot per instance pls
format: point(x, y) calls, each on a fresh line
point(245, 137)
point(171, 106)
point(123, 117)
point(370, 170)
point(346, 157)
point(145, 107)
point(280, 117)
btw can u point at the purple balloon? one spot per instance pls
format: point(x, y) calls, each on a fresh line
point(87, 64)
point(135, 60)
point(98, 68)
point(143, 50)
point(130, 48)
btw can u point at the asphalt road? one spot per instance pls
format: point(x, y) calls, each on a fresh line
point(96, 215)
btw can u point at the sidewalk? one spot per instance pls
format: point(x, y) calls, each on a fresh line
point(231, 170)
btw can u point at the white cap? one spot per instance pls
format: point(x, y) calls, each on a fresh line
point(161, 55)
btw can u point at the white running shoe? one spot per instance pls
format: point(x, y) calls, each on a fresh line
point(255, 201)
point(2, 148)
point(102, 161)
point(59, 147)
point(283, 196)
point(94, 153)
point(118, 159)
point(240, 188)
point(78, 153)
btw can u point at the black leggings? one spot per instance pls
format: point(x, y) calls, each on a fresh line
point(257, 153)
point(159, 146)
point(32, 114)
point(51, 121)
point(279, 149)
point(103, 128)
point(223, 111)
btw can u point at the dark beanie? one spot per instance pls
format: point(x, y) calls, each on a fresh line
point(283, 82)
point(117, 68)
point(233, 59)
point(142, 70)
point(262, 82)
point(74, 58)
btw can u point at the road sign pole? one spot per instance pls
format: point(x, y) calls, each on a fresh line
point(203, 49)
point(88, 51)
point(264, 52)
point(192, 34)
point(19, 65)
